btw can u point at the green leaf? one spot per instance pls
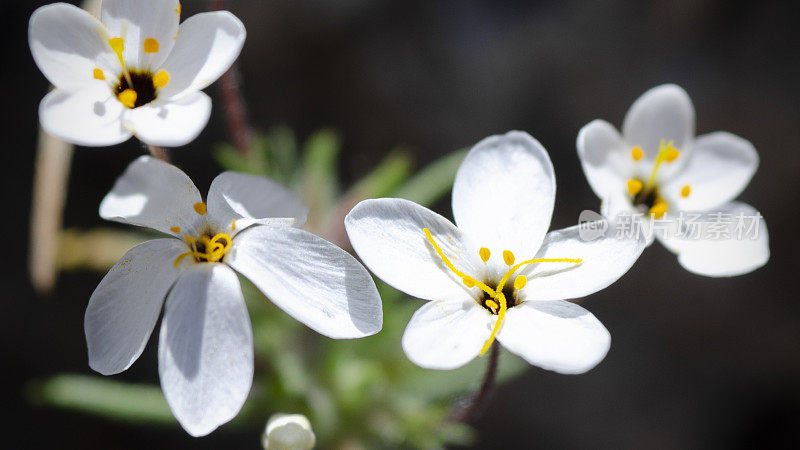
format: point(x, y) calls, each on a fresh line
point(281, 148)
point(384, 178)
point(127, 402)
point(432, 182)
point(318, 184)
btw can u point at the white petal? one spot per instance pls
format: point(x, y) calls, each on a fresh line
point(89, 115)
point(154, 194)
point(504, 192)
point(205, 348)
point(720, 167)
point(249, 199)
point(138, 20)
point(170, 123)
point(446, 334)
point(388, 236)
point(558, 336)
point(605, 259)
point(312, 280)
point(67, 44)
point(207, 45)
point(664, 112)
point(605, 158)
point(123, 309)
point(731, 240)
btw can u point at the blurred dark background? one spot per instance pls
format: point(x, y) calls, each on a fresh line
point(695, 362)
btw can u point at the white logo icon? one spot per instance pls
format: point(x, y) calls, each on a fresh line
point(591, 225)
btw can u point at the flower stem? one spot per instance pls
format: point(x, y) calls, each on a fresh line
point(233, 104)
point(468, 412)
point(158, 152)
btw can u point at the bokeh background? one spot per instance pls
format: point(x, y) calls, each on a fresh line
point(695, 362)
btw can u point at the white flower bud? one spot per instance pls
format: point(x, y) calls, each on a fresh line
point(288, 432)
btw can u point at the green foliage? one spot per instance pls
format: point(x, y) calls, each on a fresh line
point(139, 403)
point(361, 393)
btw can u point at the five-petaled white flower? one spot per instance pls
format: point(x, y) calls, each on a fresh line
point(205, 350)
point(138, 72)
point(498, 273)
point(660, 174)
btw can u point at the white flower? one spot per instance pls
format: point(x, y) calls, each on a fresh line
point(658, 169)
point(288, 432)
point(498, 274)
point(205, 351)
point(135, 73)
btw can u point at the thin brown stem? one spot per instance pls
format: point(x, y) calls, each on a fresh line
point(158, 152)
point(53, 160)
point(469, 411)
point(233, 104)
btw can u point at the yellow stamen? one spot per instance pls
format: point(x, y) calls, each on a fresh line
point(128, 97)
point(502, 298)
point(214, 249)
point(497, 302)
point(118, 45)
point(666, 152)
point(685, 191)
point(485, 254)
point(98, 74)
point(175, 229)
point(200, 208)
point(161, 78)
point(508, 257)
point(659, 209)
point(468, 280)
point(150, 45)
point(634, 187)
point(233, 225)
point(637, 153)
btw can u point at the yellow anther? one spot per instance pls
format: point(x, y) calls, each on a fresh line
point(200, 208)
point(634, 187)
point(637, 153)
point(491, 304)
point(128, 98)
point(469, 282)
point(233, 225)
point(161, 78)
point(178, 9)
point(671, 154)
point(190, 240)
point(485, 254)
point(98, 74)
point(118, 45)
point(175, 229)
point(150, 45)
point(520, 282)
point(685, 191)
point(659, 209)
point(508, 257)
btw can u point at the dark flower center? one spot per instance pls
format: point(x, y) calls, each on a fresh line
point(141, 82)
point(491, 304)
